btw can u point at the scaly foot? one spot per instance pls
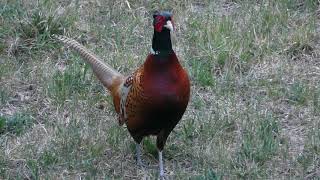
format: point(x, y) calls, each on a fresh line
point(138, 154)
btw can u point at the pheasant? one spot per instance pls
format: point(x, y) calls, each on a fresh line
point(153, 99)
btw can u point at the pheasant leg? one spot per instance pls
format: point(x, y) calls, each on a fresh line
point(161, 165)
point(138, 154)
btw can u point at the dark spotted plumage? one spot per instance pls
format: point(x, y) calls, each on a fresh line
point(129, 81)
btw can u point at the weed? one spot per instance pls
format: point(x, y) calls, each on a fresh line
point(3, 165)
point(226, 83)
point(6, 69)
point(316, 101)
point(298, 93)
point(15, 124)
point(71, 82)
point(309, 159)
point(258, 145)
point(4, 95)
point(34, 168)
point(202, 73)
point(188, 130)
point(209, 175)
point(2, 124)
point(2, 45)
point(48, 158)
point(32, 29)
point(115, 136)
point(150, 147)
point(198, 102)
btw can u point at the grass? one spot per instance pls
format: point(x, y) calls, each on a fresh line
point(16, 124)
point(254, 110)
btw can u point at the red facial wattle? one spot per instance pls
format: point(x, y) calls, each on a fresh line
point(160, 22)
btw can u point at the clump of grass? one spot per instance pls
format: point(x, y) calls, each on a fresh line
point(16, 124)
point(209, 174)
point(229, 45)
point(31, 29)
point(3, 96)
point(2, 125)
point(188, 130)
point(198, 103)
point(48, 158)
point(6, 69)
point(308, 5)
point(316, 101)
point(3, 165)
point(263, 143)
point(298, 93)
point(258, 145)
point(150, 147)
point(2, 45)
point(309, 159)
point(73, 81)
point(115, 136)
point(38, 25)
point(298, 49)
point(201, 71)
point(34, 168)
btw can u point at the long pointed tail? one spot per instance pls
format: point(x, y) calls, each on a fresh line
point(106, 74)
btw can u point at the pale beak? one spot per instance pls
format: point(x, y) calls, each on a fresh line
point(169, 25)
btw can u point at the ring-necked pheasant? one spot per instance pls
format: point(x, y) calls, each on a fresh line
point(152, 100)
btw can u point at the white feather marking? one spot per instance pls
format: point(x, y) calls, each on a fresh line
point(169, 25)
point(125, 89)
point(154, 52)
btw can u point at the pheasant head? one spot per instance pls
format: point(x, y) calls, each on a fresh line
point(163, 25)
point(162, 20)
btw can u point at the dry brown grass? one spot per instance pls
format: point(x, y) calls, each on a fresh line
point(255, 106)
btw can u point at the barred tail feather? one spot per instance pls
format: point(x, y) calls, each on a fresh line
point(106, 74)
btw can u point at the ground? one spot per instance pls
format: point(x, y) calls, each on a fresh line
point(254, 111)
